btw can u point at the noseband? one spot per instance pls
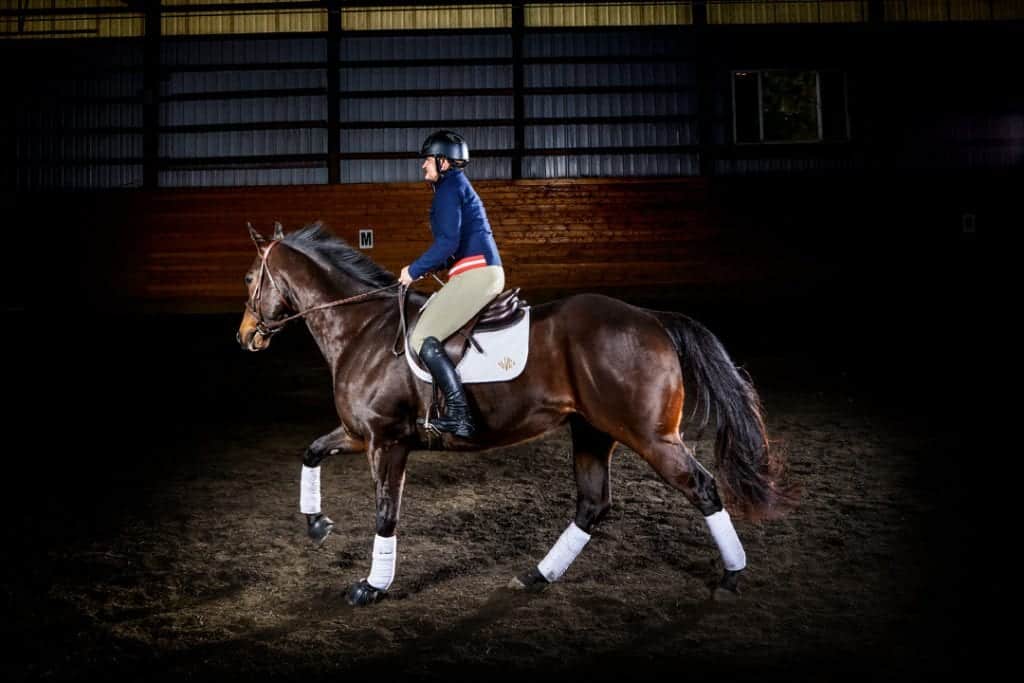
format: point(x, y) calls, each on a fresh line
point(268, 329)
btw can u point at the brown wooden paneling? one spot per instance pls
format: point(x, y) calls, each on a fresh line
point(189, 249)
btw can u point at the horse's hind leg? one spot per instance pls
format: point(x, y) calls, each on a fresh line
point(592, 452)
point(674, 462)
point(592, 455)
point(319, 525)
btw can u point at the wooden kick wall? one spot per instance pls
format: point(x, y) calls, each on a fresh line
point(188, 250)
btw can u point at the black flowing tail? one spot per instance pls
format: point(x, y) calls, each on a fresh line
point(751, 473)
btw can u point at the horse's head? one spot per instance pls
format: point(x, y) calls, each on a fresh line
point(312, 267)
point(266, 302)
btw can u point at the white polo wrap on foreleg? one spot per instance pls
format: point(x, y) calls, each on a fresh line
point(722, 530)
point(309, 491)
point(562, 554)
point(382, 572)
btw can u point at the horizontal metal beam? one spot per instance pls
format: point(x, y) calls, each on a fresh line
point(273, 160)
point(820, 151)
point(529, 121)
point(402, 63)
point(246, 94)
point(358, 125)
point(267, 160)
point(419, 92)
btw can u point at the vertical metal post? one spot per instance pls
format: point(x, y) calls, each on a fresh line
point(151, 96)
point(705, 87)
point(518, 98)
point(876, 11)
point(333, 91)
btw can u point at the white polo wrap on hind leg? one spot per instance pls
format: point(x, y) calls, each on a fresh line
point(562, 554)
point(382, 572)
point(309, 491)
point(722, 530)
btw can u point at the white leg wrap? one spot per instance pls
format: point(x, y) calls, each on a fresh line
point(562, 554)
point(309, 496)
point(733, 555)
point(385, 552)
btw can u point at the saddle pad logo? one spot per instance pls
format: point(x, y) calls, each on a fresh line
point(502, 356)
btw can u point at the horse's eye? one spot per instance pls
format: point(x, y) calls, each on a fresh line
point(248, 279)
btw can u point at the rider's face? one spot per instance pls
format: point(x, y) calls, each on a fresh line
point(430, 170)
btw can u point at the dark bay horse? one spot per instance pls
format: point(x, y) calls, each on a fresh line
point(613, 371)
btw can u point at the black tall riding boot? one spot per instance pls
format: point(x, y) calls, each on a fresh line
point(457, 418)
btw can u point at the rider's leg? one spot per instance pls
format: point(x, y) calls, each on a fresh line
point(457, 418)
point(450, 309)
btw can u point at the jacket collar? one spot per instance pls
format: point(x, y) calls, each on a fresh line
point(447, 174)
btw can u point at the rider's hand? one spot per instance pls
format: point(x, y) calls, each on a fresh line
point(405, 278)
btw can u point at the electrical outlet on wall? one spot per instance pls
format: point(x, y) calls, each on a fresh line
point(967, 222)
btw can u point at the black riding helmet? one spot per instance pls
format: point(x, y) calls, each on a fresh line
point(444, 144)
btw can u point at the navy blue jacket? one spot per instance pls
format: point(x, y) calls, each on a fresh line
point(459, 224)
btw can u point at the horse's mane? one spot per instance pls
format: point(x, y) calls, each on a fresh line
point(317, 243)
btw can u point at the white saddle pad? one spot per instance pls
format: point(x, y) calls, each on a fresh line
point(503, 358)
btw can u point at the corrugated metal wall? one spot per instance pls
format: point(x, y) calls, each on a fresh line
point(211, 83)
point(55, 24)
point(653, 89)
point(746, 167)
point(425, 18)
point(76, 125)
point(787, 11)
point(241, 51)
point(193, 23)
point(609, 14)
point(955, 141)
point(604, 43)
point(665, 91)
point(254, 109)
point(365, 48)
point(953, 10)
point(580, 165)
point(438, 93)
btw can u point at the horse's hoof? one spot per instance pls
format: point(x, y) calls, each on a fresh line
point(728, 588)
point(532, 581)
point(363, 593)
point(319, 528)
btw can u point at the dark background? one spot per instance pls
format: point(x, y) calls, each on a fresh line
point(867, 282)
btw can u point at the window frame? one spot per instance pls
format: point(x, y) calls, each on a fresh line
point(821, 139)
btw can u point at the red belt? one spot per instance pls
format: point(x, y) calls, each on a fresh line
point(468, 263)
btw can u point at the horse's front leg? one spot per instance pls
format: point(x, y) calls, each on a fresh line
point(319, 525)
point(387, 465)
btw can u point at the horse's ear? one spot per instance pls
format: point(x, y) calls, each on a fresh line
point(278, 231)
point(256, 237)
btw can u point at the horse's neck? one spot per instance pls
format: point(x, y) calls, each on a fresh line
point(336, 328)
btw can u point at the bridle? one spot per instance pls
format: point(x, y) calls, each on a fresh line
point(270, 328)
point(253, 304)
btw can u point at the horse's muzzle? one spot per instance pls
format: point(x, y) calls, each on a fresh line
point(252, 340)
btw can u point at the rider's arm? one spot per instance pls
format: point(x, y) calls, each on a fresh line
point(446, 224)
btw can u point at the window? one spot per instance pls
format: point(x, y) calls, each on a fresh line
point(773, 105)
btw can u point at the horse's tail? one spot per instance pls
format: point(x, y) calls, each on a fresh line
point(752, 474)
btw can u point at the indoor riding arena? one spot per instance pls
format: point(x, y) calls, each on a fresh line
point(806, 179)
